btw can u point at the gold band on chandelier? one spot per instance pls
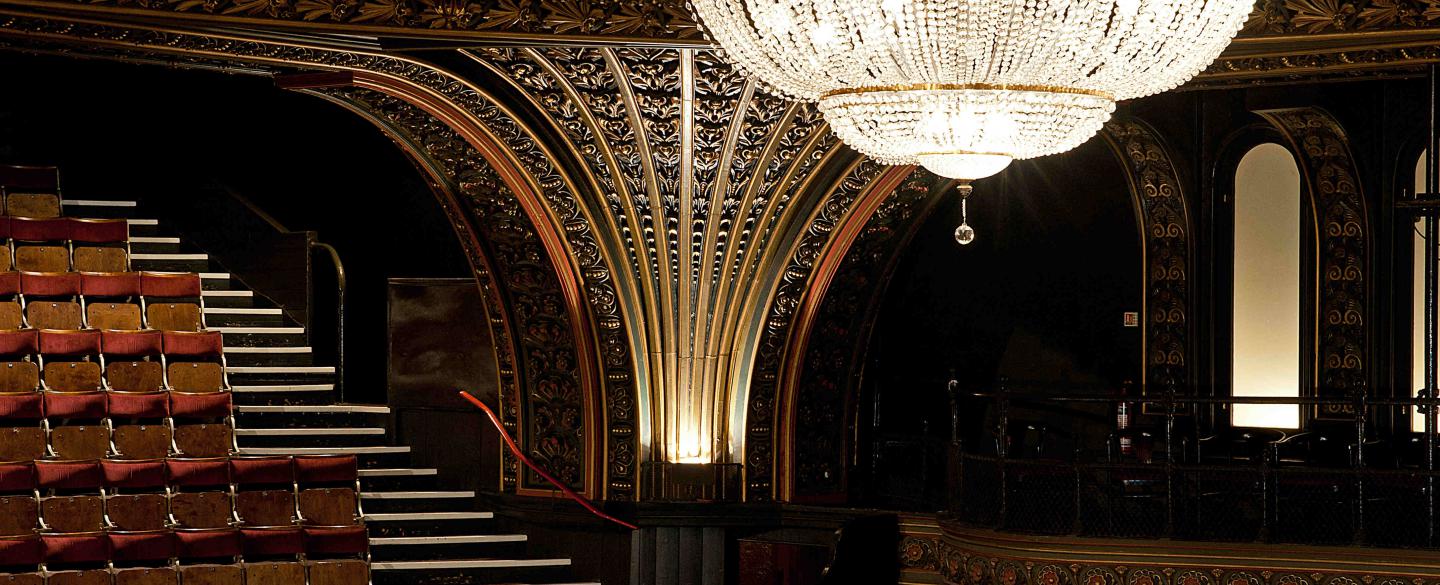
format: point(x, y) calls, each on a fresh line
point(965, 86)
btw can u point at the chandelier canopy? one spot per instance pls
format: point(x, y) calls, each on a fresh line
point(963, 87)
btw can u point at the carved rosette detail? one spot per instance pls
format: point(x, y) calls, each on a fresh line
point(840, 336)
point(1330, 176)
point(1165, 226)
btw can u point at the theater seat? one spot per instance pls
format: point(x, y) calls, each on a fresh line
point(265, 508)
point(124, 316)
point(339, 572)
point(274, 573)
point(204, 439)
point(172, 301)
point(72, 514)
point(22, 579)
point(19, 516)
point(132, 360)
point(150, 441)
point(215, 575)
point(80, 442)
point(201, 509)
point(147, 576)
point(51, 299)
point(22, 443)
point(86, 577)
point(39, 205)
point(137, 512)
point(90, 238)
point(329, 506)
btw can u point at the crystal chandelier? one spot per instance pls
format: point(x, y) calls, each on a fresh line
point(963, 87)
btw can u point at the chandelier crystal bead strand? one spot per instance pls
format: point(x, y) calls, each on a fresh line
point(963, 87)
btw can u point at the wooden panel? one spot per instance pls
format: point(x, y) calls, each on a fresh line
point(274, 574)
point(201, 509)
point(137, 511)
point(53, 314)
point(22, 579)
point(203, 440)
point(100, 259)
point(22, 443)
point(146, 576)
point(19, 515)
point(41, 205)
point(42, 259)
point(439, 340)
point(342, 572)
point(10, 312)
point(88, 577)
point(19, 377)
point(80, 442)
point(266, 507)
point(72, 376)
point(135, 376)
point(74, 513)
point(113, 316)
point(328, 506)
point(212, 575)
point(196, 377)
point(173, 316)
point(142, 441)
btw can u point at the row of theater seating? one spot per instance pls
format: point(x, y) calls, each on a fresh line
point(173, 437)
point(89, 360)
point(101, 300)
point(178, 510)
point(65, 244)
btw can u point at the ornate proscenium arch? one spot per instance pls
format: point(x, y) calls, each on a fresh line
point(1329, 175)
point(1163, 216)
point(601, 386)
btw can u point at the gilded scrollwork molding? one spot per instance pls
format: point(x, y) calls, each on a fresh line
point(1164, 220)
point(1330, 178)
point(603, 358)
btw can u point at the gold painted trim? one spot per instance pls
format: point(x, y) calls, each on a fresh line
point(966, 87)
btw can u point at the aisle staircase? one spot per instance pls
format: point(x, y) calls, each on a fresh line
point(286, 405)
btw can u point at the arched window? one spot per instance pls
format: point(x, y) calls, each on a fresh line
point(1266, 320)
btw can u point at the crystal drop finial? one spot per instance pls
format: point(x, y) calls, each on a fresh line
point(964, 234)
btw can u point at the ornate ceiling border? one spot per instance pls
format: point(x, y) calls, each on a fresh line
point(520, 159)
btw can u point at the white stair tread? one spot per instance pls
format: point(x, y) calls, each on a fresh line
point(143, 221)
point(241, 311)
point(467, 564)
point(261, 330)
point(227, 293)
point(215, 275)
point(267, 349)
point(413, 516)
point(153, 240)
point(415, 495)
point(303, 432)
point(167, 256)
point(322, 450)
point(97, 203)
point(398, 472)
point(326, 409)
point(280, 369)
point(284, 388)
point(467, 539)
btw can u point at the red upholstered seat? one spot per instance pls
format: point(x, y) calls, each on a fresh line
point(87, 405)
point(22, 550)
point(132, 343)
point(200, 406)
point(110, 284)
point(133, 474)
point(261, 470)
point(192, 344)
point(17, 476)
point(326, 469)
point(69, 474)
point(76, 548)
point(338, 540)
point(273, 541)
point(150, 545)
point(198, 472)
point(163, 285)
point(99, 231)
point(26, 406)
point(19, 343)
point(29, 229)
point(139, 404)
point(9, 280)
point(208, 543)
point(77, 342)
point(50, 284)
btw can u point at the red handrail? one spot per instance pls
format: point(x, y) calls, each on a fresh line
point(531, 464)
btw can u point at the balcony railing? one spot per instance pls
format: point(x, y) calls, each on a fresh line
point(1052, 462)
